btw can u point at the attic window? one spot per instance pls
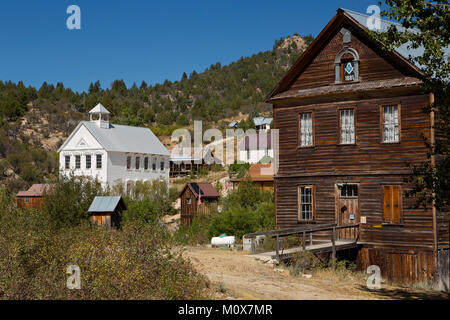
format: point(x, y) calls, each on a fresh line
point(347, 66)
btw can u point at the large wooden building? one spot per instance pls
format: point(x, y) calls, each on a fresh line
point(350, 121)
point(197, 198)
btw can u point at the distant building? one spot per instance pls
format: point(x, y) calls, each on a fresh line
point(261, 175)
point(255, 147)
point(114, 154)
point(33, 197)
point(107, 211)
point(262, 123)
point(197, 198)
point(181, 165)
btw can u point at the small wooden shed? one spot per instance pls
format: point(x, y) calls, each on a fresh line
point(197, 197)
point(107, 211)
point(33, 197)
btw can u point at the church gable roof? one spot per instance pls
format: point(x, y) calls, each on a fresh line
point(120, 138)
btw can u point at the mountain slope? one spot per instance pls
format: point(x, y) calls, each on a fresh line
point(34, 122)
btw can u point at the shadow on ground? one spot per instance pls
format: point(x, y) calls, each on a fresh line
point(406, 294)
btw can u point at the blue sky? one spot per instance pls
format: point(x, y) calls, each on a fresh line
point(139, 40)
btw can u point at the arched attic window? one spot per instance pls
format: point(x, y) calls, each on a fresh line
point(346, 65)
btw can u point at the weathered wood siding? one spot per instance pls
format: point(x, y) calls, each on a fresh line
point(189, 211)
point(321, 71)
point(33, 202)
point(369, 152)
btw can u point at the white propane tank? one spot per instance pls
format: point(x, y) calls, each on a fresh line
point(223, 241)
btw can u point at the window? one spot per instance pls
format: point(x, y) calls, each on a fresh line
point(305, 203)
point(146, 163)
point(138, 162)
point(306, 129)
point(347, 118)
point(27, 200)
point(162, 165)
point(128, 163)
point(188, 201)
point(346, 66)
point(390, 124)
point(392, 204)
point(88, 161)
point(99, 161)
point(77, 162)
point(154, 165)
point(67, 162)
point(349, 190)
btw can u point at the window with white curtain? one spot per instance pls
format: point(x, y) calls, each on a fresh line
point(305, 203)
point(306, 136)
point(347, 126)
point(390, 124)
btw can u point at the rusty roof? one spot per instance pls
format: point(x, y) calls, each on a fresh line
point(206, 189)
point(36, 190)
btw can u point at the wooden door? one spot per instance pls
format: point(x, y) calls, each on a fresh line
point(347, 208)
point(392, 204)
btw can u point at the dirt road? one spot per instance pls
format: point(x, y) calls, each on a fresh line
point(237, 276)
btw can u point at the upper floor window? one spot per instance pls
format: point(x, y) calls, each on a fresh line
point(306, 129)
point(67, 162)
point(347, 118)
point(88, 161)
point(99, 161)
point(128, 162)
point(346, 66)
point(146, 163)
point(138, 162)
point(390, 119)
point(77, 162)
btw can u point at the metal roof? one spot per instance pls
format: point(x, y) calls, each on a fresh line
point(259, 121)
point(121, 138)
point(99, 108)
point(106, 204)
point(405, 50)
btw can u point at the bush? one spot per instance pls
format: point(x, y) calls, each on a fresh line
point(135, 263)
point(68, 202)
point(245, 210)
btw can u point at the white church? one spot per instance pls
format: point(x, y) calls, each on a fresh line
point(113, 153)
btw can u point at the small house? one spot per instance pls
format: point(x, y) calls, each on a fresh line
point(33, 197)
point(261, 175)
point(107, 211)
point(197, 198)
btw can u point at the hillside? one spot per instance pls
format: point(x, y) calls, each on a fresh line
point(34, 122)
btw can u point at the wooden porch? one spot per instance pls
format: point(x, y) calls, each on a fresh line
point(313, 238)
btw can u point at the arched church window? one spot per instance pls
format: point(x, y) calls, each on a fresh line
point(347, 66)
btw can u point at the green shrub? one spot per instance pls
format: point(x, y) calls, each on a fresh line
point(134, 263)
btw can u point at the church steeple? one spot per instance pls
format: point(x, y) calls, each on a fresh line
point(101, 116)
